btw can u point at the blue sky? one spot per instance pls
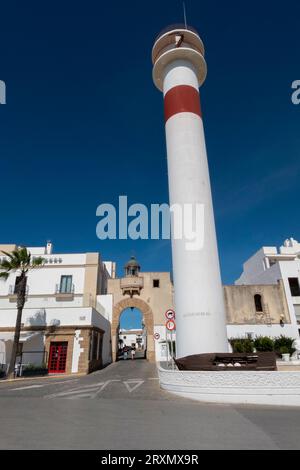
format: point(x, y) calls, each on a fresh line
point(83, 122)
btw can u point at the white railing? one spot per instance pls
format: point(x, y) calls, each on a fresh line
point(58, 290)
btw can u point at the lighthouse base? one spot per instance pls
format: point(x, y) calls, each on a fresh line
point(278, 388)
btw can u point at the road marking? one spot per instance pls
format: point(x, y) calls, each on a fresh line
point(26, 388)
point(84, 388)
point(132, 385)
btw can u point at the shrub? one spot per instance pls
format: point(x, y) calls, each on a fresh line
point(241, 345)
point(264, 343)
point(284, 342)
point(34, 366)
point(284, 350)
point(34, 369)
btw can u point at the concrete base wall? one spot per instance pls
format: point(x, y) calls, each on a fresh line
point(259, 388)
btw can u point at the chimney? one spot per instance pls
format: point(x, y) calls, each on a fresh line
point(49, 248)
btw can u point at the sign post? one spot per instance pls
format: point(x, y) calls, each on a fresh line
point(170, 327)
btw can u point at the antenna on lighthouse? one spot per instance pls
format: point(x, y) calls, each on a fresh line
point(184, 15)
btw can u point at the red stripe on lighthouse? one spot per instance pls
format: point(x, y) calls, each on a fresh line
point(182, 99)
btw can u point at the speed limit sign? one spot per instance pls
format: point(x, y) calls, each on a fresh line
point(170, 325)
point(170, 314)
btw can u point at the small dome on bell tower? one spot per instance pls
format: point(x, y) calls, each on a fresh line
point(132, 268)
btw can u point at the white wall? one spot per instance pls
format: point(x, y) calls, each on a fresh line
point(161, 352)
point(241, 331)
point(107, 303)
point(102, 323)
point(44, 280)
point(42, 317)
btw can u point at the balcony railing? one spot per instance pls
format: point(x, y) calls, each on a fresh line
point(64, 294)
point(131, 285)
point(59, 290)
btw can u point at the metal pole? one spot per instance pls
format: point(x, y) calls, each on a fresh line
point(184, 15)
point(172, 352)
point(167, 345)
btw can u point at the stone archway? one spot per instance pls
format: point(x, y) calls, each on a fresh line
point(148, 320)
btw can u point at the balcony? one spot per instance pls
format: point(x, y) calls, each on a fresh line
point(131, 285)
point(64, 294)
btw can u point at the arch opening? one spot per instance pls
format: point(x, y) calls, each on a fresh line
point(132, 334)
point(133, 312)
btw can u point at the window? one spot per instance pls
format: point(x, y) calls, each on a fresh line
point(294, 286)
point(65, 284)
point(258, 303)
point(155, 282)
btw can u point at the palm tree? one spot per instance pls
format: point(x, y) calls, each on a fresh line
point(19, 261)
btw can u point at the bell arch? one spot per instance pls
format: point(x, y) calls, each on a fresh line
point(148, 321)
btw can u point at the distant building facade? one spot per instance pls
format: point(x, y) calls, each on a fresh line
point(64, 324)
point(266, 297)
point(71, 319)
point(133, 338)
point(152, 294)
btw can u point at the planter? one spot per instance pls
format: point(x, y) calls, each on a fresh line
point(34, 372)
point(285, 357)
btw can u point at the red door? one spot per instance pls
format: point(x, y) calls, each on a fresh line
point(57, 358)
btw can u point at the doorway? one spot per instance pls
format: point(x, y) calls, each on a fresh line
point(57, 358)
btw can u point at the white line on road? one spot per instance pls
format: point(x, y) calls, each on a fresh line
point(103, 387)
point(132, 385)
point(26, 388)
point(84, 388)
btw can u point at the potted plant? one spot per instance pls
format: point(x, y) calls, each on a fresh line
point(284, 345)
point(285, 354)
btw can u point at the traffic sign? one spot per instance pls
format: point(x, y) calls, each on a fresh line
point(156, 335)
point(170, 314)
point(170, 325)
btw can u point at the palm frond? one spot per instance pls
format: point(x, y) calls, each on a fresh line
point(36, 262)
point(19, 260)
point(5, 264)
point(4, 275)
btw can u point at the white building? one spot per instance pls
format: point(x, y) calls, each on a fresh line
point(270, 266)
point(132, 338)
point(65, 322)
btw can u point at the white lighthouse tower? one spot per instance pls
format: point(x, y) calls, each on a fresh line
point(179, 69)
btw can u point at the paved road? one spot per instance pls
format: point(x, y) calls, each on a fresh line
point(122, 407)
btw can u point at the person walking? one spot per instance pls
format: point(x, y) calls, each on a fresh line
point(132, 353)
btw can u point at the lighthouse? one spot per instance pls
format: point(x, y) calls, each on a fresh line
point(179, 69)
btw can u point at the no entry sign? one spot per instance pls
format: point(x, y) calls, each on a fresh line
point(170, 314)
point(170, 325)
